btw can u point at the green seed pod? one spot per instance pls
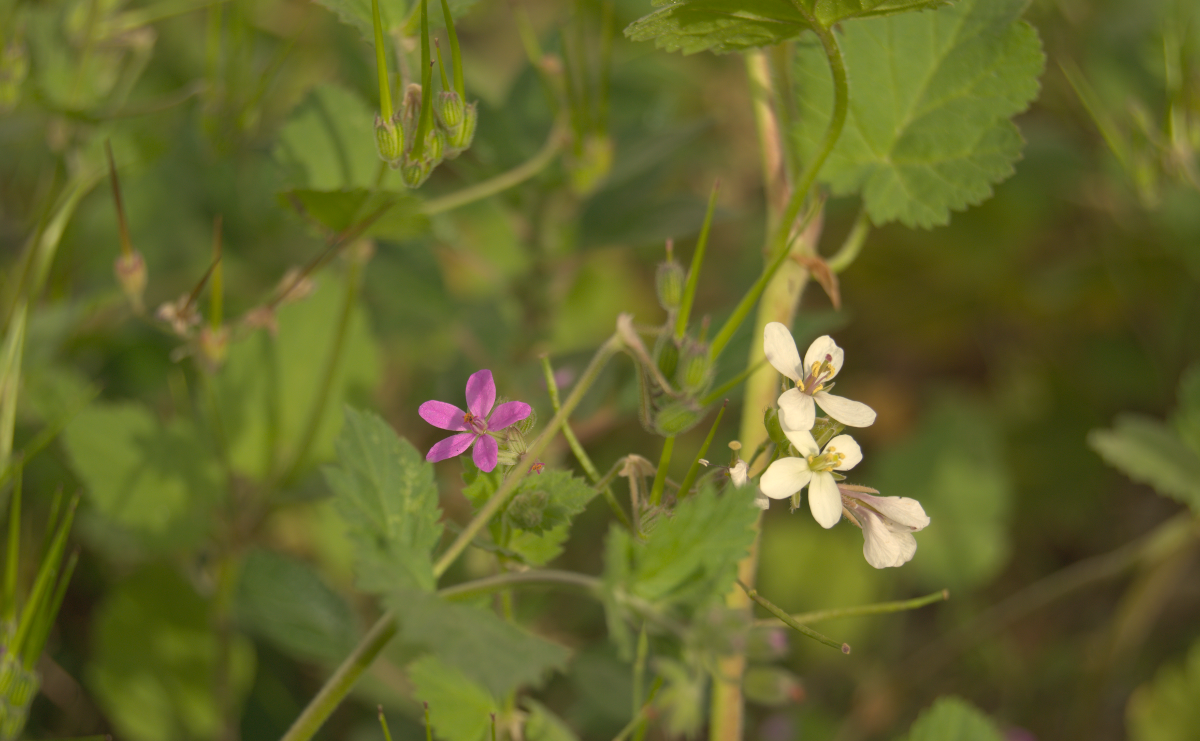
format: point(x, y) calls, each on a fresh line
point(527, 509)
point(450, 109)
point(677, 417)
point(415, 172)
point(668, 282)
point(768, 685)
point(695, 371)
point(131, 275)
point(666, 355)
point(389, 139)
point(460, 140)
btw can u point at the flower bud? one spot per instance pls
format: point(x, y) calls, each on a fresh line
point(677, 417)
point(130, 270)
point(695, 370)
point(668, 282)
point(526, 425)
point(768, 685)
point(515, 440)
point(416, 172)
point(774, 428)
point(389, 139)
point(666, 355)
point(459, 140)
point(527, 509)
point(450, 109)
point(825, 429)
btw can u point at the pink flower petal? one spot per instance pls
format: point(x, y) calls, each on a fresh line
point(508, 413)
point(486, 453)
point(451, 446)
point(481, 393)
point(443, 416)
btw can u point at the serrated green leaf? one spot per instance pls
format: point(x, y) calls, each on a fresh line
point(1150, 452)
point(928, 130)
point(267, 387)
point(691, 555)
point(538, 549)
point(285, 602)
point(544, 725)
point(567, 496)
point(1165, 708)
point(459, 709)
point(338, 210)
point(491, 652)
point(154, 659)
point(152, 478)
point(724, 26)
point(953, 719)
point(385, 491)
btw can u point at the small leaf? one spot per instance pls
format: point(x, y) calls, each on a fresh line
point(691, 555)
point(154, 660)
point(284, 601)
point(338, 210)
point(459, 709)
point(928, 131)
point(953, 719)
point(154, 479)
point(489, 651)
point(1150, 452)
point(1165, 708)
point(723, 26)
point(385, 490)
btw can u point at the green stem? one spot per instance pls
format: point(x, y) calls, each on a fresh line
point(455, 54)
point(725, 334)
point(639, 679)
point(787, 619)
point(14, 552)
point(585, 462)
point(693, 276)
point(500, 498)
point(426, 120)
point(849, 250)
point(501, 182)
point(316, 412)
point(642, 714)
point(694, 470)
point(385, 86)
point(660, 473)
point(879, 608)
point(731, 384)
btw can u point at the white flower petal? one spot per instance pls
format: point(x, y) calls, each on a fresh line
point(824, 500)
point(845, 445)
point(739, 474)
point(822, 346)
point(761, 501)
point(805, 443)
point(902, 511)
point(796, 410)
point(785, 477)
point(884, 547)
point(848, 412)
point(781, 352)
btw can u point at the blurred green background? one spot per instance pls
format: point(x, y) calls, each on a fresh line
point(990, 348)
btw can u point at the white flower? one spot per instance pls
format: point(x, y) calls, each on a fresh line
point(786, 476)
point(821, 363)
point(888, 524)
point(739, 474)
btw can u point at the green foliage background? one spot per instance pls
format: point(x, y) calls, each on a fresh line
point(1011, 355)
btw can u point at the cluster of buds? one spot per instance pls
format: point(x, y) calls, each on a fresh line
point(430, 126)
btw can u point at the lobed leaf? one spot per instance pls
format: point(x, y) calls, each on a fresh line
point(459, 709)
point(932, 94)
point(1150, 452)
point(723, 26)
point(385, 491)
point(487, 650)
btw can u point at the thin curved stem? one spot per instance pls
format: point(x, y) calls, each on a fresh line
point(501, 182)
point(849, 250)
point(879, 608)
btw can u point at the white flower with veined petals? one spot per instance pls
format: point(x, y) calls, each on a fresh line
point(821, 363)
point(786, 476)
point(888, 524)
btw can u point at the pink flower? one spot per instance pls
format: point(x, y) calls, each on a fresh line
point(474, 424)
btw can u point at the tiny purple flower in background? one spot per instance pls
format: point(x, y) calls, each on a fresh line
point(474, 424)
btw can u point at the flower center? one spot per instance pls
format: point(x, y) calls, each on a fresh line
point(477, 424)
point(826, 461)
point(816, 378)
